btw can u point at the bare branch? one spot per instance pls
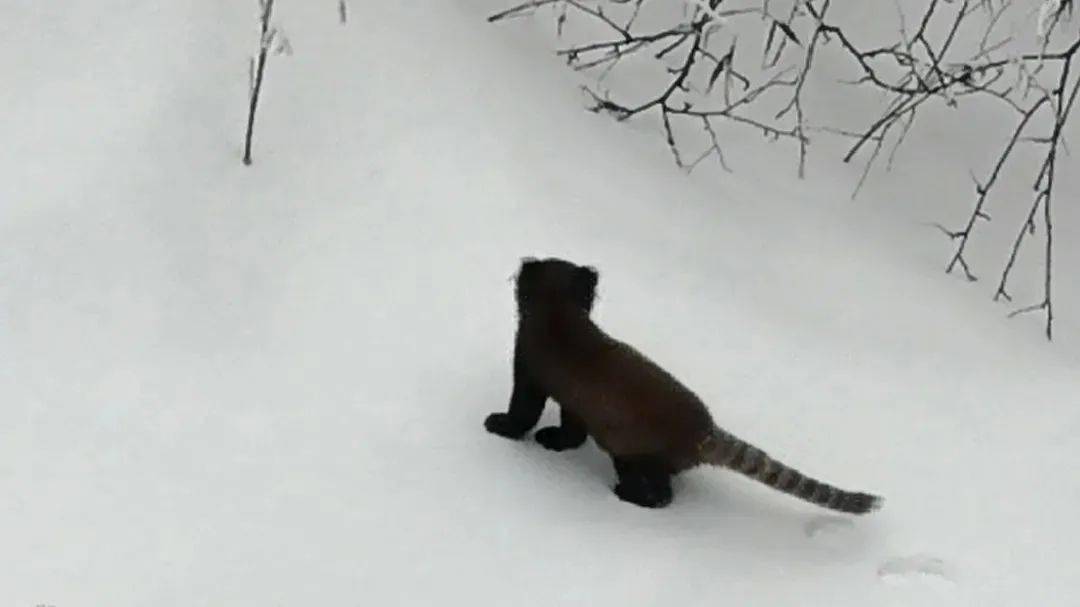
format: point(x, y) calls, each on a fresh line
point(266, 37)
point(982, 190)
point(935, 59)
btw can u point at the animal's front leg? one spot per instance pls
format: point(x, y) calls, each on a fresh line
point(569, 434)
point(526, 404)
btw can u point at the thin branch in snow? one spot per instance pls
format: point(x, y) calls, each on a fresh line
point(1044, 188)
point(714, 148)
point(982, 191)
point(265, 39)
point(950, 52)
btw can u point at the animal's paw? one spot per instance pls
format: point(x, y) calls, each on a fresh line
point(644, 496)
point(504, 425)
point(555, 438)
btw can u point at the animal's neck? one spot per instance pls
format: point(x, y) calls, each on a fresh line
point(557, 314)
point(561, 326)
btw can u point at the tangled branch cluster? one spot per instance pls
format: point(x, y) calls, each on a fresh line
point(704, 85)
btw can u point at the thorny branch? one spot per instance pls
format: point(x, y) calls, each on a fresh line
point(934, 63)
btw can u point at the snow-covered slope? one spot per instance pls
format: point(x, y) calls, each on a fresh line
point(225, 385)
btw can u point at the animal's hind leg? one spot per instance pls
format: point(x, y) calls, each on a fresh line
point(526, 404)
point(645, 481)
point(569, 434)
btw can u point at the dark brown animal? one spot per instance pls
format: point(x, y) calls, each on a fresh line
point(652, 426)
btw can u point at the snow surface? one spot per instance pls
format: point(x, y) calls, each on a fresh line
point(225, 385)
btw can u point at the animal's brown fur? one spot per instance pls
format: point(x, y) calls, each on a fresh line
point(650, 423)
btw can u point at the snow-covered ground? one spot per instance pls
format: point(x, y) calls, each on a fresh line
point(229, 385)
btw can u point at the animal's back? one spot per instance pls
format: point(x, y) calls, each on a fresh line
point(630, 405)
point(669, 414)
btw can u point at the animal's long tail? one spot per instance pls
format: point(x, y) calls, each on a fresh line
point(723, 449)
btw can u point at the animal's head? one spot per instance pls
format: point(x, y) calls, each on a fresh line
point(554, 282)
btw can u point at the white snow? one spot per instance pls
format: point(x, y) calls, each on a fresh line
point(229, 385)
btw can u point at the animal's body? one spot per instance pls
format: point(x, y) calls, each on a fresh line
point(650, 424)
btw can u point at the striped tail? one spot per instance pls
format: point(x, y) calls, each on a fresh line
point(723, 449)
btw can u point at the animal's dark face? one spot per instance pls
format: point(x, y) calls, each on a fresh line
point(553, 282)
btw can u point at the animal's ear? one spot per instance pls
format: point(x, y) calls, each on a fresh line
point(587, 277)
point(527, 273)
point(584, 285)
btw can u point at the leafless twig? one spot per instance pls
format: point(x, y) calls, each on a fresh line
point(951, 52)
point(266, 37)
